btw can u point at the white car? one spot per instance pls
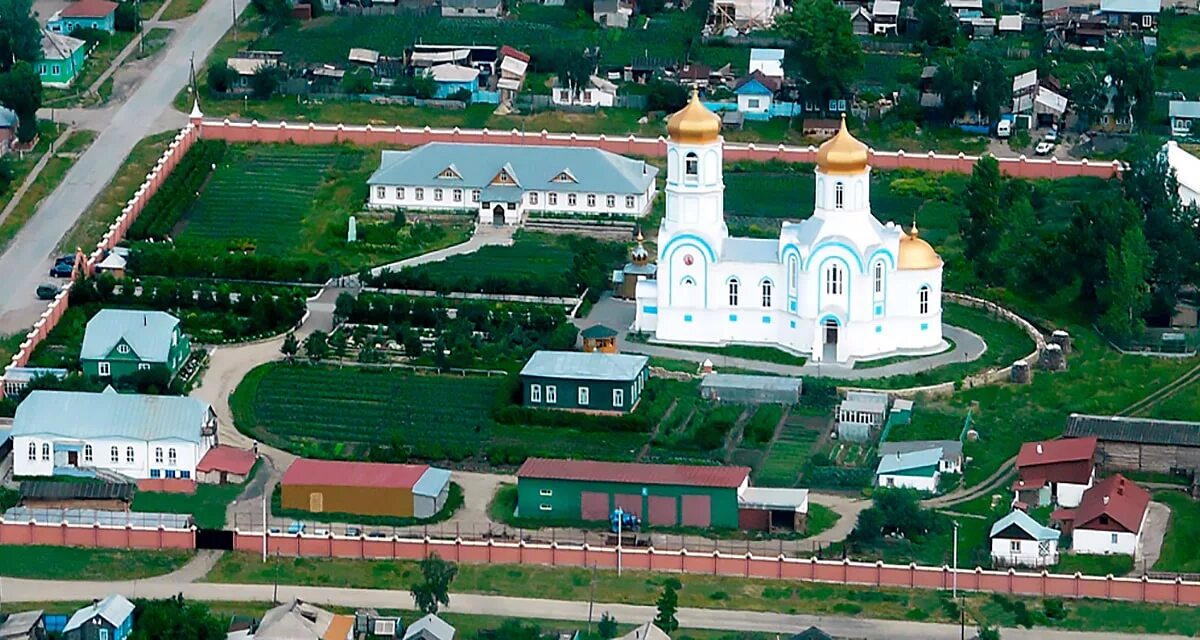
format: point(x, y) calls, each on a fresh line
point(1043, 148)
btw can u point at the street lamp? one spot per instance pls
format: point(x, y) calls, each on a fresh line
point(956, 559)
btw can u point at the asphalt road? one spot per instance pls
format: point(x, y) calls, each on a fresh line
point(26, 261)
point(47, 591)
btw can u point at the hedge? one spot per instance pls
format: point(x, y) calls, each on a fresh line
point(178, 191)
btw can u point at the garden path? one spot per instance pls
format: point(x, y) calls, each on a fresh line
point(619, 315)
point(483, 236)
point(1149, 545)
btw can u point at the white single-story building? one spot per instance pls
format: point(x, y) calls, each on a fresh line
point(952, 451)
point(1187, 172)
point(1019, 540)
point(598, 93)
point(859, 413)
point(1184, 115)
point(137, 436)
point(913, 470)
point(501, 182)
point(1109, 519)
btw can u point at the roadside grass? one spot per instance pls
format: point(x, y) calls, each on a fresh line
point(1179, 545)
point(47, 181)
point(758, 353)
point(107, 206)
point(78, 563)
point(153, 41)
point(1094, 565)
point(147, 8)
point(179, 9)
point(21, 165)
point(1184, 404)
point(712, 592)
point(207, 506)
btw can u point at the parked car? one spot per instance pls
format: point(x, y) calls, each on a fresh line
point(63, 269)
point(1051, 135)
point(295, 527)
point(353, 532)
point(48, 291)
point(1044, 148)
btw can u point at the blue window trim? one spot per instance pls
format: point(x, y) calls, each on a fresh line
point(733, 317)
point(792, 324)
point(687, 318)
point(650, 309)
point(766, 319)
point(878, 328)
point(924, 326)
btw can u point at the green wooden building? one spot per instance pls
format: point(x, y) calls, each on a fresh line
point(119, 342)
point(660, 494)
point(62, 59)
point(605, 382)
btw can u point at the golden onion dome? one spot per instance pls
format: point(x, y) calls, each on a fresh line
point(843, 153)
point(694, 124)
point(915, 253)
point(639, 255)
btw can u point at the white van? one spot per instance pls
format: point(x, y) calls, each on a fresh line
point(1004, 128)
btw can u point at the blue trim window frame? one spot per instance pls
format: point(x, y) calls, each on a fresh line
point(766, 319)
point(687, 318)
point(155, 473)
point(649, 309)
point(791, 324)
point(924, 326)
point(733, 317)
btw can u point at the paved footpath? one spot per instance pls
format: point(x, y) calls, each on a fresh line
point(49, 591)
point(25, 262)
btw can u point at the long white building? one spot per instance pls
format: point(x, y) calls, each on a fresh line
point(86, 434)
point(838, 285)
point(500, 183)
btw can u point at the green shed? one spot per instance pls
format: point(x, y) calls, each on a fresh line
point(660, 494)
point(607, 382)
point(119, 342)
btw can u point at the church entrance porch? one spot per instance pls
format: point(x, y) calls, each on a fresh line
point(498, 215)
point(828, 333)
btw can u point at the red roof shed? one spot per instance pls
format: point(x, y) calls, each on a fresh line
point(89, 9)
point(1069, 460)
point(227, 459)
point(336, 473)
point(630, 472)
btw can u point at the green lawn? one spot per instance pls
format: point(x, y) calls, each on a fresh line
point(1179, 545)
point(179, 9)
point(347, 412)
point(1179, 33)
point(47, 181)
point(732, 593)
point(77, 563)
point(1094, 565)
point(207, 506)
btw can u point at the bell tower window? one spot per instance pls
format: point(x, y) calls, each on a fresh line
point(923, 299)
point(766, 293)
point(733, 292)
point(691, 165)
point(833, 281)
point(839, 195)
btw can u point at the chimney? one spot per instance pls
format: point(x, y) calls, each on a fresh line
point(145, 320)
point(1105, 499)
point(1039, 449)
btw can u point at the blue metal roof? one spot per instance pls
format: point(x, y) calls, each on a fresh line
point(532, 167)
point(753, 87)
point(1035, 529)
point(115, 609)
point(82, 415)
point(8, 118)
point(431, 483)
point(1131, 6)
point(576, 365)
point(1185, 109)
point(893, 463)
point(148, 334)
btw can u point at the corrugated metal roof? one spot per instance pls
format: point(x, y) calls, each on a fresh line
point(114, 609)
point(534, 166)
point(337, 473)
point(50, 490)
point(1139, 430)
point(453, 73)
point(1184, 108)
point(576, 365)
point(951, 449)
point(89, 9)
point(56, 46)
point(633, 473)
point(432, 482)
point(1027, 524)
point(1034, 454)
point(432, 626)
point(84, 415)
point(21, 623)
point(89, 517)
point(774, 499)
point(148, 333)
point(228, 459)
point(741, 381)
point(909, 460)
point(1131, 6)
point(599, 331)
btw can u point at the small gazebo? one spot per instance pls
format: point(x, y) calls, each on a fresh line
point(599, 338)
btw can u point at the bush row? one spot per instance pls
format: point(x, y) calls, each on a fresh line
point(195, 260)
point(178, 191)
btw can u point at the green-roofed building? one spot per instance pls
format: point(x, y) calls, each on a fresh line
point(120, 342)
point(572, 380)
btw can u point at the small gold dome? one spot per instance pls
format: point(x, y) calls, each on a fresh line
point(843, 153)
point(915, 253)
point(694, 124)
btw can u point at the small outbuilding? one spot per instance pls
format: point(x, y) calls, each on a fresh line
point(365, 488)
point(648, 631)
point(599, 338)
point(861, 413)
point(430, 627)
point(225, 464)
point(1140, 444)
point(766, 509)
point(110, 618)
point(750, 389)
point(24, 625)
point(910, 470)
point(572, 380)
point(952, 451)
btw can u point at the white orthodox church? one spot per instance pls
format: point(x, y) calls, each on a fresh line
point(838, 285)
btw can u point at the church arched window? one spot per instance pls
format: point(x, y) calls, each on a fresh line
point(879, 279)
point(923, 297)
point(687, 281)
point(691, 165)
point(733, 292)
point(766, 293)
point(834, 280)
point(839, 195)
point(793, 274)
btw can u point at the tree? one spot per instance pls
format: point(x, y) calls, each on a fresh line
point(358, 81)
point(992, 86)
point(668, 606)
point(1124, 298)
point(175, 618)
point(290, 347)
point(1132, 71)
point(433, 591)
point(220, 77)
point(1087, 92)
point(265, 81)
point(126, 18)
point(936, 23)
point(20, 34)
point(824, 44)
point(982, 198)
point(573, 69)
point(952, 84)
point(21, 91)
point(274, 12)
point(988, 632)
point(316, 345)
point(343, 307)
point(338, 343)
point(412, 344)
point(665, 96)
point(608, 626)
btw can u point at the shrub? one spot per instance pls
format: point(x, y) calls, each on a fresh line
point(220, 77)
point(177, 192)
point(1054, 608)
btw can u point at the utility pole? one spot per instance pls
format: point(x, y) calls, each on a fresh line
point(233, 8)
point(265, 530)
point(591, 599)
point(620, 517)
point(956, 559)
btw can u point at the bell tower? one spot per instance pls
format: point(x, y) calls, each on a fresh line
point(695, 188)
point(843, 175)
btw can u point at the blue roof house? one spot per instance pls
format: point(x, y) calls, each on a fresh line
point(1019, 540)
point(111, 435)
point(107, 619)
point(753, 96)
point(910, 470)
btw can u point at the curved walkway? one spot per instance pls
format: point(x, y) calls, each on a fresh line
point(619, 314)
